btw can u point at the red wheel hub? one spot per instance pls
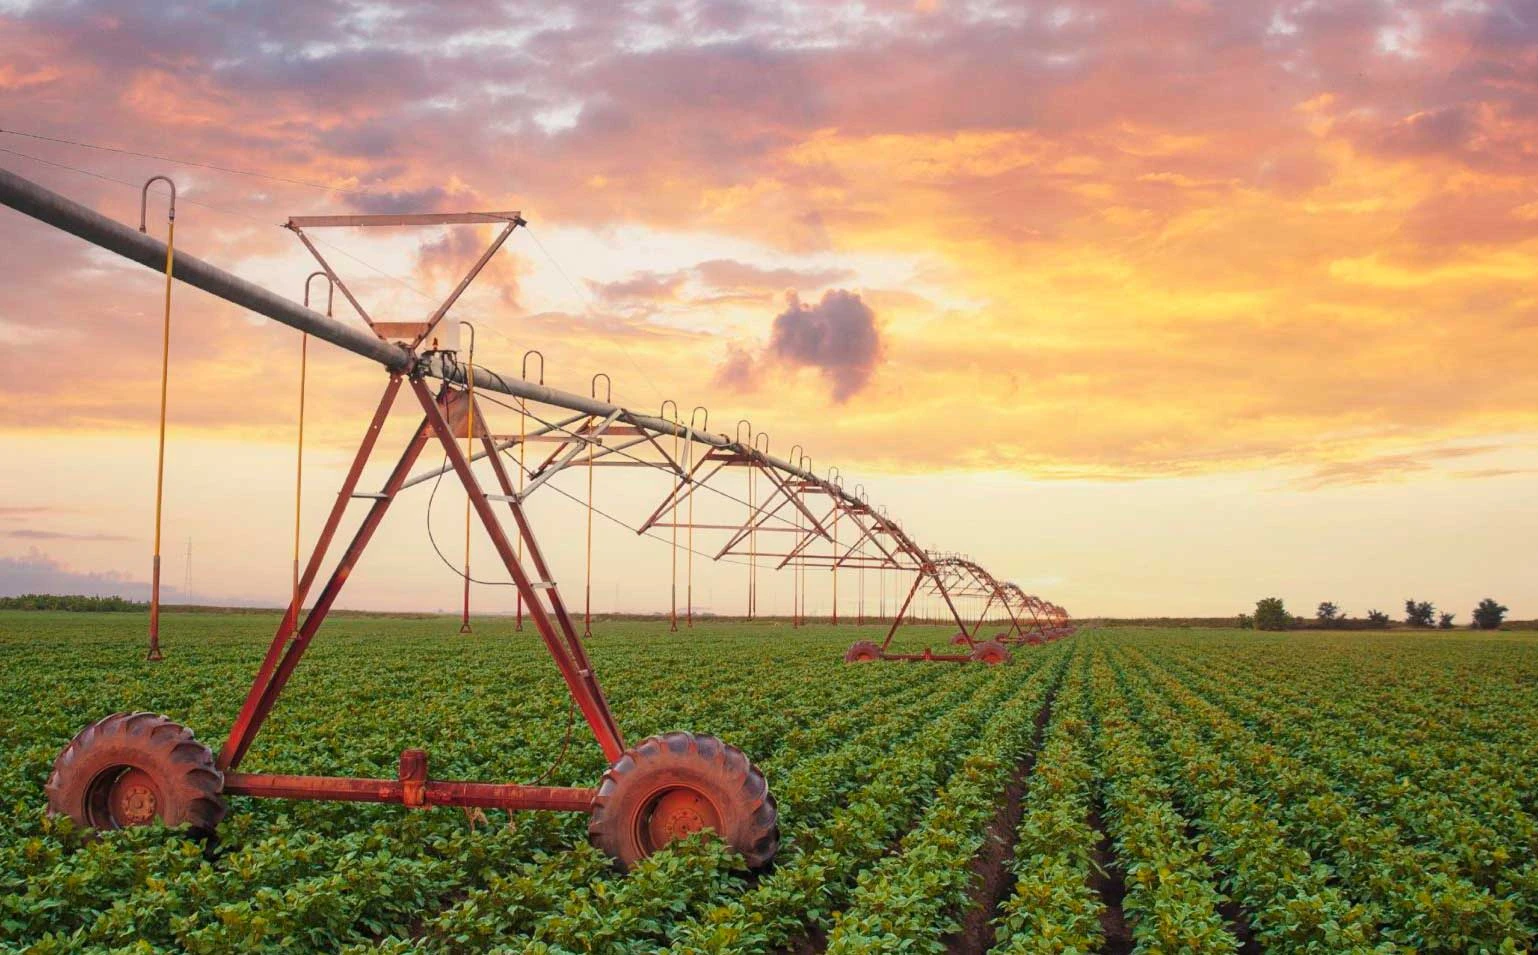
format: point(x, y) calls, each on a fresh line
point(675, 813)
point(132, 799)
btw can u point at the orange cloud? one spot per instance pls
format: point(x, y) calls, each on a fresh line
point(1117, 241)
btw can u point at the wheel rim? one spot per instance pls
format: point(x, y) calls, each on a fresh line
point(674, 812)
point(122, 796)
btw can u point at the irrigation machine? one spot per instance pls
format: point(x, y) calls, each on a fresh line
point(134, 768)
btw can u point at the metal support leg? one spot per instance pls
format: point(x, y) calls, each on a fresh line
point(569, 659)
point(260, 701)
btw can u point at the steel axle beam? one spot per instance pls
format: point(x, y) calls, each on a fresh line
point(435, 792)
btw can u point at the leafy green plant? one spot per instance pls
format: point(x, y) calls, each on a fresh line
point(1349, 792)
point(1489, 614)
point(1270, 614)
point(1419, 614)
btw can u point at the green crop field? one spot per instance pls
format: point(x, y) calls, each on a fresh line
point(1129, 790)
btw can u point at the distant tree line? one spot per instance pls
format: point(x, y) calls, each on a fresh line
point(1271, 614)
point(74, 602)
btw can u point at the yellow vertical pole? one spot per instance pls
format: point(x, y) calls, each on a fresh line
point(673, 519)
point(795, 572)
point(587, 610)
point(464, 617)
point(304, 357)
point(160, 453)
point(752, 560)
point(689, 559)
point(523, 439)
point(860, 601)
point(165, 375)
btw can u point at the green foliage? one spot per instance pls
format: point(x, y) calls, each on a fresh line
point(1419, 614)
point(74, 602)
point(1353, 793)
point(1246, 622)
point(1445, 621)
point(1270, 614)
point(1328, 612)
point(1377, 620)
point(1489, 614)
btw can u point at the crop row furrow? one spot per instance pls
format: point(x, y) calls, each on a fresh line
point(1362, 772)
point(516, 903)
point(813, 880)
point(1052, 910)
point(909, 901)
point(1294, 907)
point(1412, 742)
point(1445, 913)
point(1171, 900)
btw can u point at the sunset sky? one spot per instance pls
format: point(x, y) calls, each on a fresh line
point(1155, 308)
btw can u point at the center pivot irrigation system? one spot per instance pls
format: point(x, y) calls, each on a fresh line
point(133, 768)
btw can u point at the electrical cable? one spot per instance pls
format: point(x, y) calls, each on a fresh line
point(571, 711)
point(192, 162)
point(588, 304)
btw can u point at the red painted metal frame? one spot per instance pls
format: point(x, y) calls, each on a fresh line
point(436, 792)
point(809, 509)
point(549, 615)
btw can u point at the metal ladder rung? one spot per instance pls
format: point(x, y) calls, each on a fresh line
point(375, 496)
point(542, 584)
point(509, 498)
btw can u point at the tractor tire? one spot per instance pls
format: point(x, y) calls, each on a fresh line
point(961, 640)
point(862, 651)
point(990, 652)
point(670, 786)
point(131, 769)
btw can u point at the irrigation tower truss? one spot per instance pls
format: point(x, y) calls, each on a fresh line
point(651, 794)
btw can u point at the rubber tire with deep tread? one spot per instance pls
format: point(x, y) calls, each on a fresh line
point(187, 784)
point(722, 774)
point(862, 651)
point(990, 652)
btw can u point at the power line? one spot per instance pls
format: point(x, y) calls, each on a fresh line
point(133, 185)
point(191, 162)
point(223, 210)
point(587, 302)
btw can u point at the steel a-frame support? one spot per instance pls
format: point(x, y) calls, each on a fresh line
point(927, 571)
point(549, 615)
